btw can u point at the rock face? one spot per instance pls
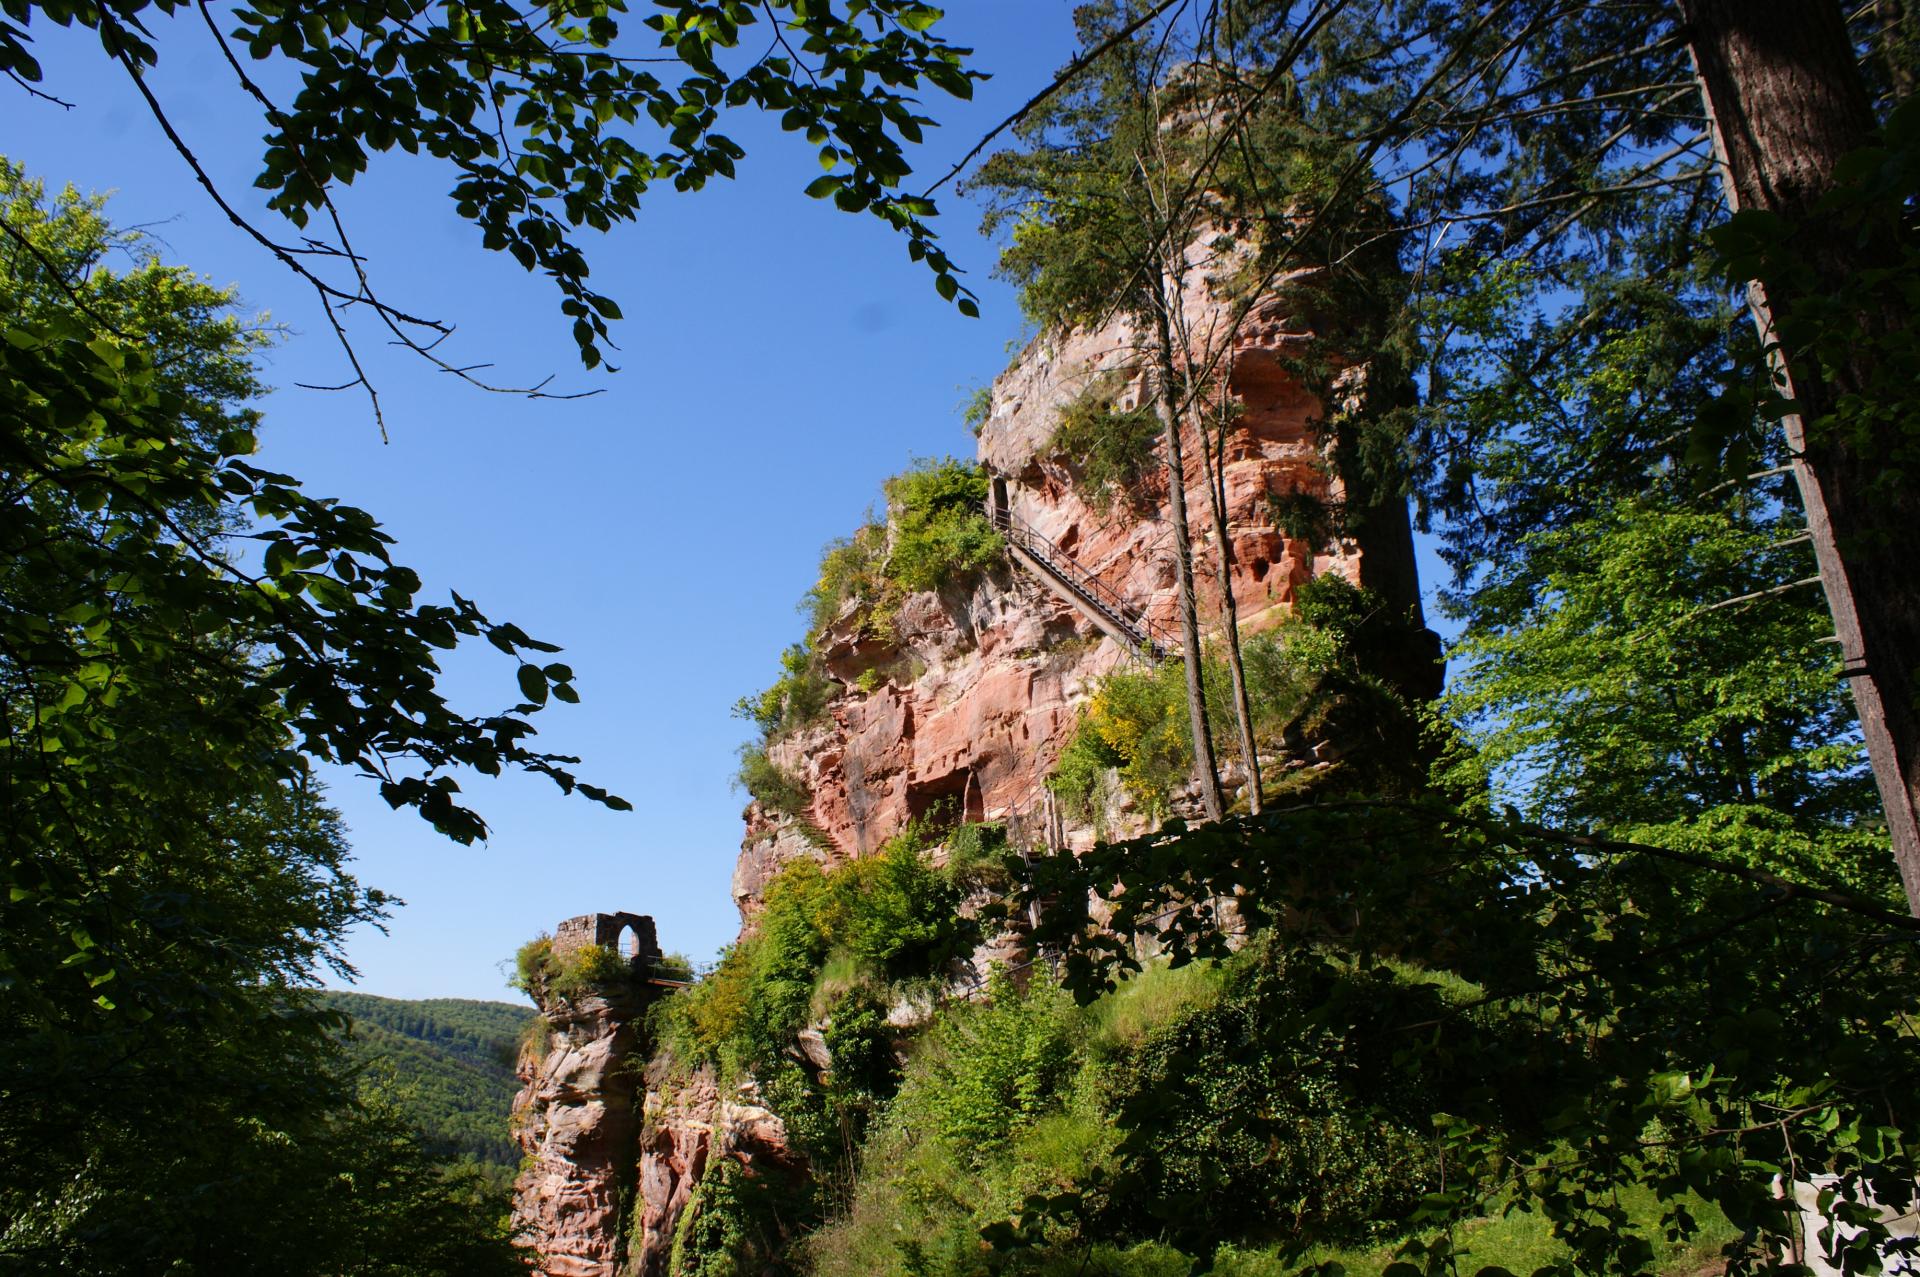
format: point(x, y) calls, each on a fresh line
point(577, 1116)
point(577, 1121)
point(689, 1126)
point(978, 690)
point(616, 1150)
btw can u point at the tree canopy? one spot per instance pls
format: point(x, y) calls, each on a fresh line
point(555, 119)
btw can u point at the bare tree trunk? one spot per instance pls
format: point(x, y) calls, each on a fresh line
point(1213, 468)
point(1206, 769)
point(1786, 101)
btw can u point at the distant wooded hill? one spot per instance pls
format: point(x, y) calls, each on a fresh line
point(454, 1060)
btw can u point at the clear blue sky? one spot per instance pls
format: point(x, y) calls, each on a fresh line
point(778, 360)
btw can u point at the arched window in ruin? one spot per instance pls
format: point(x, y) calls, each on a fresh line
point(628, 943)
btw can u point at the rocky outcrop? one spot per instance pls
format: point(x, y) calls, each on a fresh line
point(577, 1115)
point(577, 1120)
point(690, 1125)
point(976, 691)
point(962, 705)
point(615, 1143)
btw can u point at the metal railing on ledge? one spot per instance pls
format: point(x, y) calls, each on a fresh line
point(1089, 589)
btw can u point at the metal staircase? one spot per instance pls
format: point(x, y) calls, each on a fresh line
point(1096, 600)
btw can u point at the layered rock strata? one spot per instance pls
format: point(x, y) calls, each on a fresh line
point(615, 1150)
point(577, 1119)
point(577, 1115)
point(977, 690)
point(690, 1125)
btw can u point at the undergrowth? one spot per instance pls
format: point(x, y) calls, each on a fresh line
point(1139, 1132)
point(1306, 681)
point(836, 949)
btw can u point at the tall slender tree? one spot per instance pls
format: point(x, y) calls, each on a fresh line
point(1091, 242)
point(1787, 105)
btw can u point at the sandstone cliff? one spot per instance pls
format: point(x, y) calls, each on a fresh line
point(983, 685)
point(614, 1151)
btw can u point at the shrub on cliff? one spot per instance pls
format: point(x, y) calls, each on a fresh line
point(540, 973)
point(891, 916)
point(1161, 1112)
point(798, 697)
point(936, 510)
point(895, 913)
point(1308, 680)
point(851, 571)
point(770, 785)
point(1112, 448)
point(936, 534)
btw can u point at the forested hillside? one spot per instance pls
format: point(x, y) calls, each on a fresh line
point(452, 1060)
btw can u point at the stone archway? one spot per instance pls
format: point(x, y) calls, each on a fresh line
point(628, 944)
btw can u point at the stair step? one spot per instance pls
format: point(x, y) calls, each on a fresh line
point(1065, 574)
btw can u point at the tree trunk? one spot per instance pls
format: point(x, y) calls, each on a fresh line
point(1206, 769)
point(1213, 471)
point(1786, 101)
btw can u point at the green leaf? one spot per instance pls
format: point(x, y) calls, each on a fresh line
point(533, 684)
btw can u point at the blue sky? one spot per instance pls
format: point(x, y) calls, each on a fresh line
point(778, 360)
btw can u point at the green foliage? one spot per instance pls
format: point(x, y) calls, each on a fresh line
point(1625, 691)
point(452, 1064)
point(531, 963)
point(674, 966)
point(852, 571)
point(986, 1073)
point(888, 917)
point(1571, 1019)
point(1147, 1001)
point(1170, 1109)
point(171, 879)
point(798, 699)
point(936, 513)
point(710, 1233)
point(977, 408)
point(1080, 773)
point(936, 534)
point(588, 968)
point(830, 948)
point(1308, 680)
point(1112, 448)
point(977, 857)
point(894, 912)
point(204, 349)
point(1080, 216)
point(1137, 719)
point(1329, 1139)
point(549, 136)
point(585, 969)
point(771, 786)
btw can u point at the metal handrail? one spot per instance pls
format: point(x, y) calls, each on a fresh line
point(1091, 589)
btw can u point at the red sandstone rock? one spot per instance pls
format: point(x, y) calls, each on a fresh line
point(576, 1122)
point(1007, 663)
